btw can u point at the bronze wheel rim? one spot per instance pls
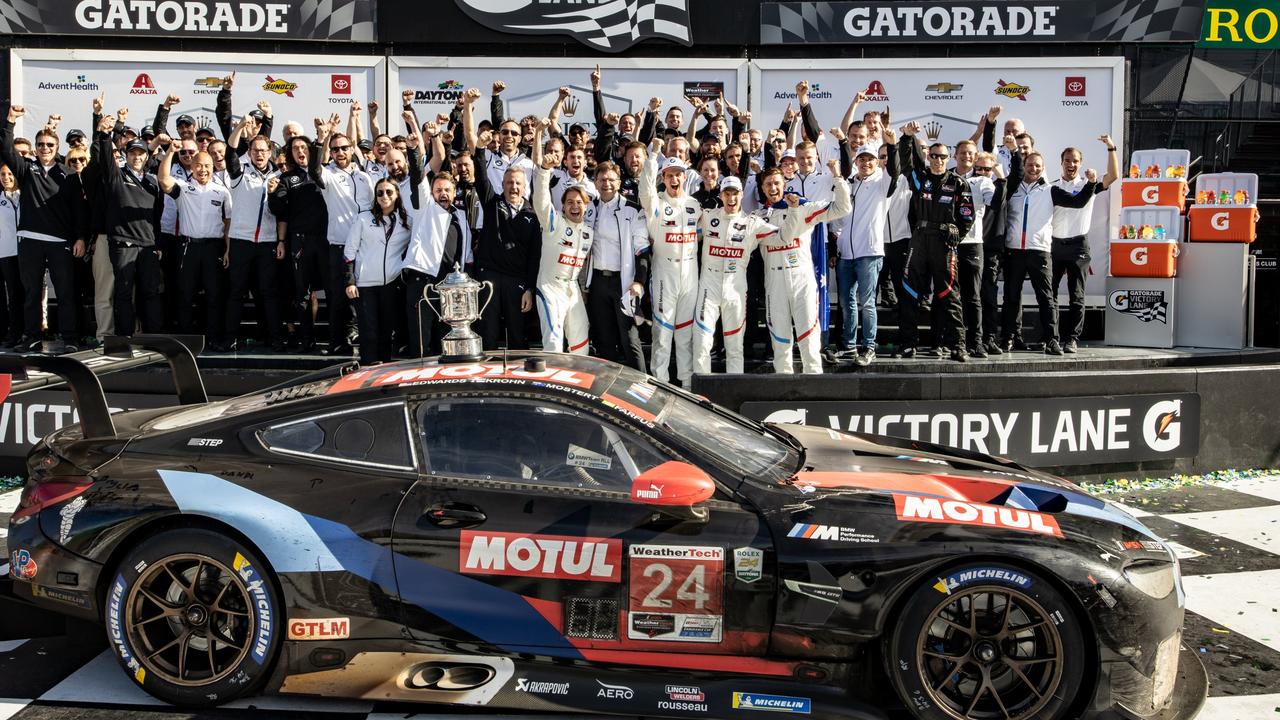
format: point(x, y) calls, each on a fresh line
point(189, 619)
point(990, 653)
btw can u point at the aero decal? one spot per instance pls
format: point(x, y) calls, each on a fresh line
point(115, 629)
point(555, 557)
point(257, 588)
point(957, 512)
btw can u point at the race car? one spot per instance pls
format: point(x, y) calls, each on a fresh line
point(555, 532)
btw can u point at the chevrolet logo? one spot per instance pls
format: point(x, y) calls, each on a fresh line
point(209, 82)
point(945, 87)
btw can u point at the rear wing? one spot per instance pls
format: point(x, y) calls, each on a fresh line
point(80, 372)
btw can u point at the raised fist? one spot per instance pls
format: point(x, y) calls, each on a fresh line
point(498, 87)
point(229, 80)
point(471, 95)
point(406, 97)
point(612, 118)
point(595, 78)
point(171, 100)
point(273, 183)
point(265, 107)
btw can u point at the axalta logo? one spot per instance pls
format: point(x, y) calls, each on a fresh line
point(320, 629)
point(279, 87)
point(1012, 90)
point(724, 252)
point(875, 92)
point(142, 85)
point(957, 512)
point(1162, 427)
point(946, 585)
point(536, 687)
point(541, 556)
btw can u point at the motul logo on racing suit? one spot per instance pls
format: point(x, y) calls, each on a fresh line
point(681, 238)
point(793, 244)
point(957, 512)
point(571, 260)
point(724, 252)
point(541, 556)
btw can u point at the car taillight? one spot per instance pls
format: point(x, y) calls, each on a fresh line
point(39, 495)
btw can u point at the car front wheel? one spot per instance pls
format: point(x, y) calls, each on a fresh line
point(987, 642)
point(192, 617)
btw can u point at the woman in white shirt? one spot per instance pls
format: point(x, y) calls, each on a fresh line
point(11, 296)
point(375, 255)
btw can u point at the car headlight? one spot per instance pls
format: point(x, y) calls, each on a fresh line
point(1154, 578)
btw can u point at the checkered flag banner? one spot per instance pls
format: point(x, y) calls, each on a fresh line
point(611, 26)
point(1147, 21)
point(1152, 313)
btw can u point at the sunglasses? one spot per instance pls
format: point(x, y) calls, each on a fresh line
point(509, 133)
point(982, 168)
point(938, 156)
point(340, 148)
point(77, 161)
point(186, 152)
point(387, 193)
point(46, 144)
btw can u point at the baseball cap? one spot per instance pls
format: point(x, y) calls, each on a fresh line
point(866, 150)
point(675, 164)
point(204, 131)
point(788, 153)
point(73, 135)
point(577, 127)
point(365, 145)
point(147, 132)
point(186, 120)
point(730, 182)
point(129, 131)
point(136, 145)
point(257, 115)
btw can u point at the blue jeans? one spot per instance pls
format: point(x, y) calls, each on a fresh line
point(857, 279)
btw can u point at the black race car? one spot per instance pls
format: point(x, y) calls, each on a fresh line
point(555, 532)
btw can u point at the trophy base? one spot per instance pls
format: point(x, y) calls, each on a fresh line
point(461, 348)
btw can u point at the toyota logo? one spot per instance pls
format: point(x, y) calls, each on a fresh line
point(1075, 86)
point(341, 84)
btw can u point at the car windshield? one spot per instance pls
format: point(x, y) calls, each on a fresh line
point(741, 446)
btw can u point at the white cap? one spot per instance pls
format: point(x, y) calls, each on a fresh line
point(675, 164)
point(866, 150)
point(730, 182)
point(788, 153)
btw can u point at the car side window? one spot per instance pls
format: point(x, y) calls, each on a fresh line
point(373, 436)
point(530, 441)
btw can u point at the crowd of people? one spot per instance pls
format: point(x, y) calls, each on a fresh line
point(699, 230)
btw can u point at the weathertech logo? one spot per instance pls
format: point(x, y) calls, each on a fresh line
point(340, 84)
point(553, 557)
point(1012, 90)
point(280, 87)
point(142, 85)
point(956, 512)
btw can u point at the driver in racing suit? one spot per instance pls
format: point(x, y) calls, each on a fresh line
point(791, 289)
point(566, 242)
point(729, 240)
point(673, 270)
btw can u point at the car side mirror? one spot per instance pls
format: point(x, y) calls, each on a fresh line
point(676, 488)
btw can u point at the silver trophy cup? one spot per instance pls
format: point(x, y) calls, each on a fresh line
point(459, 306)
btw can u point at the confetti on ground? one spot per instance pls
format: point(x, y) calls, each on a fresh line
point(1218, 477)
point(11, 483)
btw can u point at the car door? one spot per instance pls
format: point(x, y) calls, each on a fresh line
point(522, 533)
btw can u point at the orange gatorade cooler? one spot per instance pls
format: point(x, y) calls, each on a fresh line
point(1225, 208)
point(1148, 243)
point(1156, 178)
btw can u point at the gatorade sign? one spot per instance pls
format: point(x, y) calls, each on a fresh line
point(1243, 24)
point(1220, 221)
point(1138, 256)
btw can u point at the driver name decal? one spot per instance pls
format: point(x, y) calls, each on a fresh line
point(956, 512)
point(554, 557)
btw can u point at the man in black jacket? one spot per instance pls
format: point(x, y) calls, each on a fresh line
point(48, 230)
point(302, 220)
point(507, 251)
point(133, 203)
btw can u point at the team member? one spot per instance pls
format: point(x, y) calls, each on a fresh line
point(970, 253)
point(440, 241)
point(993, 221)
point(256, 247)
point(373, 254)
point(566, 243)
point(790, 281)
point(133, 206)
point(346, 190)
point(942, 206)
point(11, 298)
point(673, 229)
point(48, 230)
point(814, 183)
point(729, 240)
point(860, 248)
point(507, 249)
point(302, 221)
point(899, 232)
point(1028, 240)
point(574, 172)
point(1070, 249)
point(205, 209)
point(620, 259)
point(508, 153)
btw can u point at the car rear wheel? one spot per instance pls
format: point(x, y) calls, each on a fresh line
point(191, 615)
point(987, 642)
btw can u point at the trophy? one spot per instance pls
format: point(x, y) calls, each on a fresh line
point(459, 307)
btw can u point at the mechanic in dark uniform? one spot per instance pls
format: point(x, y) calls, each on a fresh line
point(508, 246)
point(942, 206)
point(302, 220)
point(133, 203)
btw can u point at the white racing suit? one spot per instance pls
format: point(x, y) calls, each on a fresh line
point(728, 243)
point(791, 288)
point(565, 247)
point(673, 272)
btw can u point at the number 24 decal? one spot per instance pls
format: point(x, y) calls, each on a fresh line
point(692, 588)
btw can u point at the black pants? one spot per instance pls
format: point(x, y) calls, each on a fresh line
point(310, 256)
point(378, 306)
point(969, 280)
point(755, 335)
point(425, 327)
point(502, 324)
point(137, 272)
point(256, 262)
point(342, 323)
point(170, 248)
point(992, 259)
point(931, 260)
point(1018, 265)
point(614, 335)
point(200, 267)
point(33, 257)
point(1071, 258)
point(11, 324)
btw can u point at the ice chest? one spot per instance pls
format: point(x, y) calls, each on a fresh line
point(1147, 258)
point(1167, 192)
point(1230, 222)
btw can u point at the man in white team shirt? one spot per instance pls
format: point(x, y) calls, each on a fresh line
point(347, 191)
point(729, 240)
point(1070, 249)
point(508, 155)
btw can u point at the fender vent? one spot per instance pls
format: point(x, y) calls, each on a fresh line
point(591, 618)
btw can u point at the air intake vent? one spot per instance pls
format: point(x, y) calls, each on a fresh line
point(591, 618)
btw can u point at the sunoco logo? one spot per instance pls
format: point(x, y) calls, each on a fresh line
point(1012, 90)
point(279, 87)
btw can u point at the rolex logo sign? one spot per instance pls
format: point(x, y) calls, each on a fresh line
point(609, 25)
point(571, 105)
point(933, 129)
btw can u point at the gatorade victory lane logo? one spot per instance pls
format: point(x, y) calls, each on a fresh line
point(1146, 305)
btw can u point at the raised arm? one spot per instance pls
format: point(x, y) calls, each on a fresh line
point(812, 129)
point(167, 183)
point(554, 114)
point(542, 180)
point(851, 113)
point(496, 116)
point(1113, 162)
point(375, 121)
point(8, 155)
point(468, 117)
point(649, 127)
point(222, 111)
point(647, 183)
point(691, 134)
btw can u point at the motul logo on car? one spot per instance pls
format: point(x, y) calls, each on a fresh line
point(957, 512)
point(724, 252)
point(555, 557)
point(320, 629)
point(449, 372)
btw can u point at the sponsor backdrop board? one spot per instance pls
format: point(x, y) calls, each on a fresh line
point(533, 83)
point(1065, 431)
point(1067, 101)
point(299, 87)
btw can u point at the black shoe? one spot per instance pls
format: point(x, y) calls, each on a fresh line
point(306, 345)
point(1007, 345)
point(829, 356)
point(1020, 344)
point(865, 357)
point(1069, 347)
point(959, 355)
point(978, 351)
point(907, 352)
point(993, 347)
point(1052, 348)
point(61, 347)
point(339, 350)
point(90, 343)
